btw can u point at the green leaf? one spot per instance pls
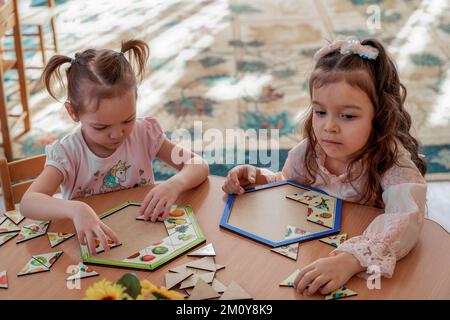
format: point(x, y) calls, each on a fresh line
point(132, 284)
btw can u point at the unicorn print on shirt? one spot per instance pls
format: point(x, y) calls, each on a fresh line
point(115, 177)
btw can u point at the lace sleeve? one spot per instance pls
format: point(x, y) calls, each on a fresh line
point(393, 234)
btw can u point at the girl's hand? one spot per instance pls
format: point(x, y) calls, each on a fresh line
point(158, 201)
point(327, 274)
point(89, 227)
point(239, 177)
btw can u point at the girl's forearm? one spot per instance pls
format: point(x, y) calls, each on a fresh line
point(191, 175)
point(40, 206)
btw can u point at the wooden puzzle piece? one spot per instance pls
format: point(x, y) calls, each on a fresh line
point(206, 263)
point(14, 216)
point(38, 226)
point(33, 266)
point(203, 291)
point(289, 281)
point(3, 280)
point(5, 237)
point(99, 246)
point(308, 197)
point(235, 292)
point(295, 232)
point(48, 259)
point(334, 241)
point(208, 277)
point(207, 250)
point(340, 293)
point(324, 218)
point(218, 286)
point(290, 251)
point(56, 238)
point(8, 226)
point(172, 279)
point(140, 257)
point(182, 235)
point(81, 271)
point(33, 230)
point(180, 268)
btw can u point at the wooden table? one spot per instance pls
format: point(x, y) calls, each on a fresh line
point(422, 274)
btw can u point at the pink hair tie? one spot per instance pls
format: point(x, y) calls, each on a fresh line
point(348, 46)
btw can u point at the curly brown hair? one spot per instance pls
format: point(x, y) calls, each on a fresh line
point(96, 74)
point(391, 123)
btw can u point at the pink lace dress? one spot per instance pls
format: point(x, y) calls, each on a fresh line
point(391, 235)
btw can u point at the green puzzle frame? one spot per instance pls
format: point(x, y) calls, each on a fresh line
point(93, 260)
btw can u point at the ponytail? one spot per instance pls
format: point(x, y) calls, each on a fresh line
point(52, 70)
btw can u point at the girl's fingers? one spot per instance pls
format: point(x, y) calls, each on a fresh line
point(251, 174)
point(302, 273)
point(234, 178)
point(316, 284)
point(91, 242)
point(307, 279)
point(145, 203)
point(82, 238)
point(159, 209)
point(108, 231)
point(149, 210)
point(166, 211)
point(329, 287)
point(231, 187)
point(100, 235)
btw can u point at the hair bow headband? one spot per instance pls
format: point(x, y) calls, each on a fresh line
point(348, 46)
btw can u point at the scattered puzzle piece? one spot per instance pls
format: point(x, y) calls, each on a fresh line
point(56, 238)
point(32, 266)
point(289, 281)
point(203, 291)
point(8, 226)
point(3, 280)
point(5, 237)
point(207, 250)
point(192, 281)
point(48, 259)
point(218, 286)
point(40, 263)
point(14, 216)
point(33, 230)
point(334, 241)
point(235, 292)
point(290, 251)
point(81, 271)
point(340, 293)
point(206, 263)
point(172, 279)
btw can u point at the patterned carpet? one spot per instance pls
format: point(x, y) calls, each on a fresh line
point(245, 64)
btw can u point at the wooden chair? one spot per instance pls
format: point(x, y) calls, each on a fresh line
point(40, 17)
point(9, 19)
point(17, 177)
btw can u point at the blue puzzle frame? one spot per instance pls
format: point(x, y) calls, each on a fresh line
point(232, 197)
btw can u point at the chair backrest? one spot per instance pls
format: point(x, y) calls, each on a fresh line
point(17, 177)
point(7, 16)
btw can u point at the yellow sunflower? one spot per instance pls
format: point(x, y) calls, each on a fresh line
point(105, 290)
point(161, 293)
point(146, 288)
